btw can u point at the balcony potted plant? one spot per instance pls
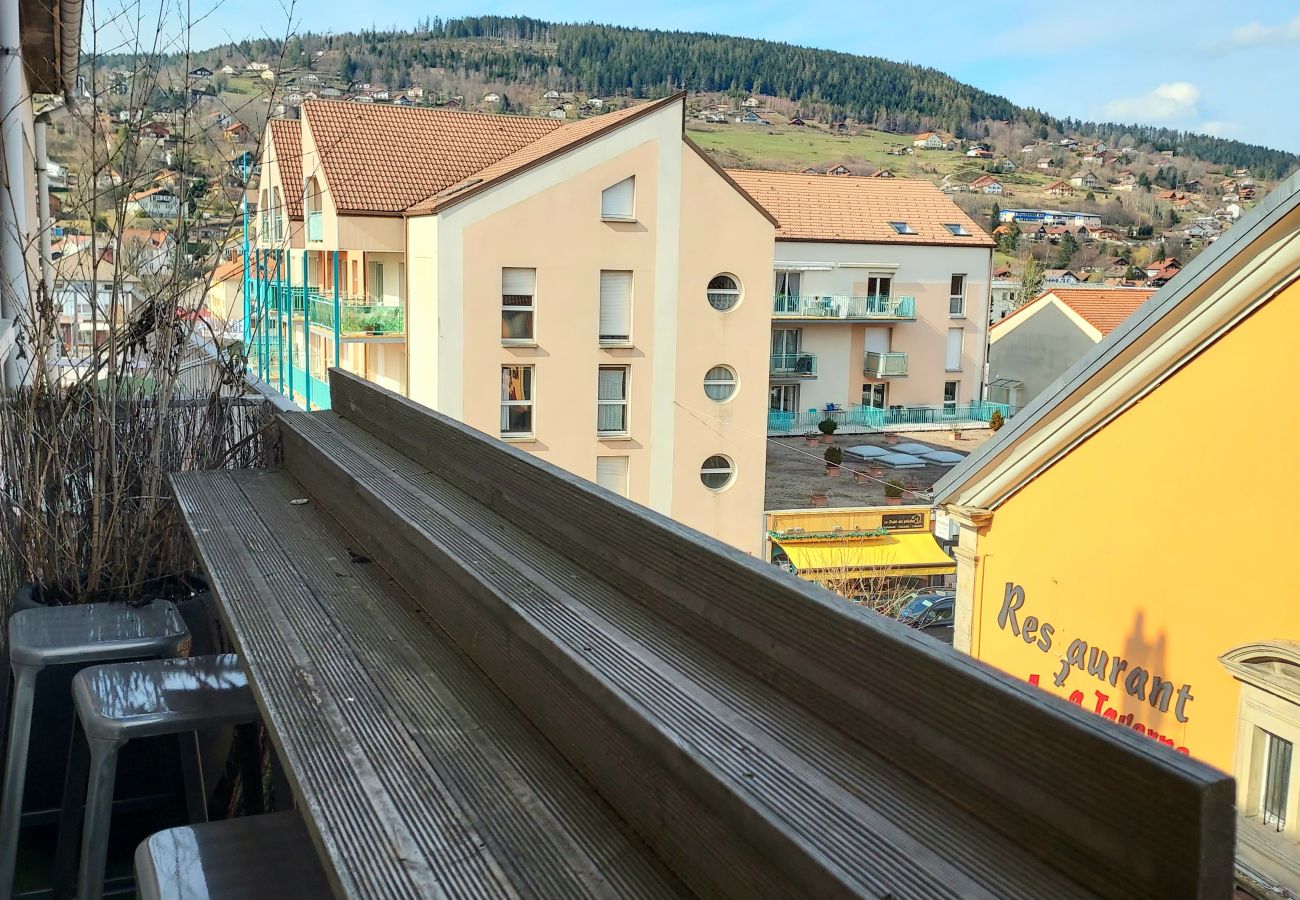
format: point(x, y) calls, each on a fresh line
point(818, 498)
point(827, 427)
point(833, 456)
point(893, 492)
point(811, 439)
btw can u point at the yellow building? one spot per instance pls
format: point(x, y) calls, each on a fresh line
point(596, 292)
point(851, 550)
point(1124, 541)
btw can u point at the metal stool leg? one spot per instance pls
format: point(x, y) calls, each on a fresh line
point(99, 815)
point(11, 806)
point(70, 819)
point(196, 796)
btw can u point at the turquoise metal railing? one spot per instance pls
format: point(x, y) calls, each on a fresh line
point(802, 364)
point(884, 308)
point(355, 318)
point(870, 417)
point(884, 365)
point(299, 381)
point(359, 318)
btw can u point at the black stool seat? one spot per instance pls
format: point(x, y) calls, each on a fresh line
point(266, 857)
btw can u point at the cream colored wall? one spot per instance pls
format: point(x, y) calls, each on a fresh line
point(705, 337)
point(454, 284)
point(923, 272)
point(568, 245)
point(422, 311)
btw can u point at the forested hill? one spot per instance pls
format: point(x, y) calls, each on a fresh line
point(608, 60)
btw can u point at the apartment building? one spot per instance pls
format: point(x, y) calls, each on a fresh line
point(879, 301)
point(565, 287)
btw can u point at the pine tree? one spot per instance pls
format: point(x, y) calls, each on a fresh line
point(1031, 282)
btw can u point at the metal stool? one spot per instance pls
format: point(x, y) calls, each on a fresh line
point(267, 857)
point(63, 635)
point(119, 702)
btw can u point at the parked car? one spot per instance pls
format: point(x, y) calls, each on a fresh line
point(931, 611)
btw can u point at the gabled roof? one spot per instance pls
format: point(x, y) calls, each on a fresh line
point(286, 138)
point(378, 160)
point(858, 210)
point(558, 140)
point(1104, 310)
point(1224, 284)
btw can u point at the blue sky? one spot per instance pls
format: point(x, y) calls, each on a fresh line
point(1227, 69)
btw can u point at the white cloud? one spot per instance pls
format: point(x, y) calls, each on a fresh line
point(1219, 128)
point(1169, 102)
point(1255, 34)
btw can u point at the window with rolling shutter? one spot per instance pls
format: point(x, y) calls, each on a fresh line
point(953, 361)
point(611, 473)
point(518, 289)
point(618, 202)
point(615, 307)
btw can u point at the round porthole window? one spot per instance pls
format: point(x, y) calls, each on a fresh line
point(717, 473)
point(720, 383)
point(724, 292)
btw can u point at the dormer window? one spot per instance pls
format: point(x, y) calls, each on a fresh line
point(901, 228)
point(618, 202)
point(957, 229)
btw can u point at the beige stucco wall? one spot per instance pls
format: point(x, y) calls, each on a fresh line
point(923, 272)
point(705, 338)
point(672, 249)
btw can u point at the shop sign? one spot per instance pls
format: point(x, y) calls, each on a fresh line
point(1116, 673)
point(902, 520)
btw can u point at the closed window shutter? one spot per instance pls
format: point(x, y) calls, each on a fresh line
point(518, 282)
point(953, 362)
point(611, 473)
point(619, 201)
point(615, 306)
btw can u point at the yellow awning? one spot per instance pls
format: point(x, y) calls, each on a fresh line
point(894, 554)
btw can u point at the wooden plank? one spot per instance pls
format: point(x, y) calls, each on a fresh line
point(418, 777)
point(1059, 784)
point(810, 811)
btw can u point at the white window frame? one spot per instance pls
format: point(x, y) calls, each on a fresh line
point(956, 229)
point(730, 470)
point(616, 340)
point(738, 292)
point(630, 216)
point(530, 402)
point(951, 405)
point(625, 403)
point(901, 227)
point(531, 308)
point(733, 382)
point(959, 299)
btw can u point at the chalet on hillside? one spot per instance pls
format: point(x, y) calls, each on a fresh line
point(1060, 189)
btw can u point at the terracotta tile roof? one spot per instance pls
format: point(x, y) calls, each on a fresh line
point(381, 158)
point(555, 142)
point(286, 137)
point(1102, 308)
point(858, 210)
